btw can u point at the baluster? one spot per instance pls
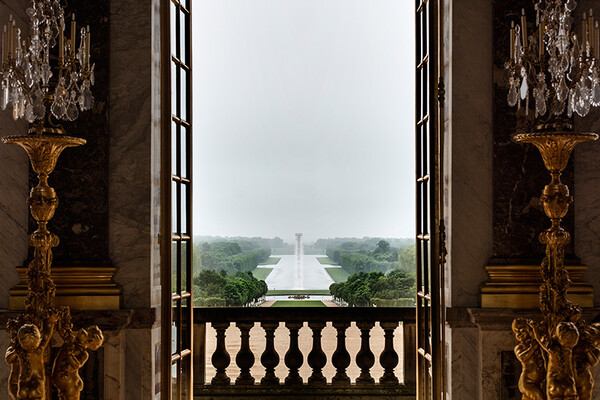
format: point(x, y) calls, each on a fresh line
point(365, 358)
point(410, 353)
point(244, 358)
point(270, 358)
point(199, 356)
point(293, 358)
point(341, 358)
point(389, 358)
point(317, 358)
point(220, 358)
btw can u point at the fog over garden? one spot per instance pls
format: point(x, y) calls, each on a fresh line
point(303, 121)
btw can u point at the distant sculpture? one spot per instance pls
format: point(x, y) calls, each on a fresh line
point(560, 377)
point(26, 358)
point(71, 357)
point(529, 354)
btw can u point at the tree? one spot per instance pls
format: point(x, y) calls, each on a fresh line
point(383, 246)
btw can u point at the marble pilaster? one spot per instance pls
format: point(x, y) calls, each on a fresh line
point(14, 166)
point(130, 196)
point(587, 197)
point(469, 138)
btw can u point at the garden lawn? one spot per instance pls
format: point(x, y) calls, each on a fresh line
point(298, 303)
point(271, 261)
point(338, 274)
point(326, 261)
point(261, 273)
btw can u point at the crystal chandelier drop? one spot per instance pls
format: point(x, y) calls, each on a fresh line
point(553, 71)
point(37, 83)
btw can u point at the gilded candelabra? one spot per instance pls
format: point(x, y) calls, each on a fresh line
point(28, 87)
point(561, 71)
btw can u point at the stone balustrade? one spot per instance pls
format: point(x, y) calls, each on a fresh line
point(244, 385)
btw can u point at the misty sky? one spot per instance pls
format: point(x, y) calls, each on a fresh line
point(303, 118)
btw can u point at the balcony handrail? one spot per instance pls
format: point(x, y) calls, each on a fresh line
point(300, 314)
point(294, 318)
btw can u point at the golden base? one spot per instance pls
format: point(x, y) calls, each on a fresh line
point(80, 288)
point(518, 286)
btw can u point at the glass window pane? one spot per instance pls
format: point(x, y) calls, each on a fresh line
point(175, 332)
point(184, 208)
point(183, 264)
point(183, 92)
point(174, 265)
point(174, 147)
point(174, 379)
point(173, 29)
point(174, 208)
point(183, 41)
point(174, 90)
point(186, 372)
point(185, 137)
point(185, 325)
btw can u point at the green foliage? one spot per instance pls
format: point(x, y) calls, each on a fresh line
point(357, 257)
point(361, 289)
point(213, 288)
point(231, 257)
point(407, 258)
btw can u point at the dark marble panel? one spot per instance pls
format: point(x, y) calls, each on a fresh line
point(518, 171)
point(81, 176)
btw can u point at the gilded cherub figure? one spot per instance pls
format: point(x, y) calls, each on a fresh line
point(70, 358)
point(529, 354)
point(586, 355)
point(560, 377)
point(12, 359)
point(29, 354)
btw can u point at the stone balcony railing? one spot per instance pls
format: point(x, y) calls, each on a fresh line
point(260, 347)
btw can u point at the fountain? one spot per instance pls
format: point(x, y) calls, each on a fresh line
point(299, 265)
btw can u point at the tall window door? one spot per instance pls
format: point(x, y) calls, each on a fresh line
point(176, 246)
point(429, 230)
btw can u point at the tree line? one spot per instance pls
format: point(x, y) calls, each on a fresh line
point(220, 289)
point(230, 257)
point(396, 288)
point(357, 257)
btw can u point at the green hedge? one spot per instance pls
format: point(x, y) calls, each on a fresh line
point(394, 302)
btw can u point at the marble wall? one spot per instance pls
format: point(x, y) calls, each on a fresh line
point(469, 140)
point(14, 166)
point(130, 176)
point(587, 196)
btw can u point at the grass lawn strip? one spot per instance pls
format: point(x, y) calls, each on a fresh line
point(338, 274)
point(261, 273)
point(298, 303)
point(271, 261)
point(326, 261)
point(296, 291)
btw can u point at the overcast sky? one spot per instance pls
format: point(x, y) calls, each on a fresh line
point(303, 118)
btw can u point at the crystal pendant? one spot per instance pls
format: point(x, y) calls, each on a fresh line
point(86, 100)
point(72, 111)
point(5, 95)
point(563, 91)
point(596, 94)
point(513, 93)
point(524, 86)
